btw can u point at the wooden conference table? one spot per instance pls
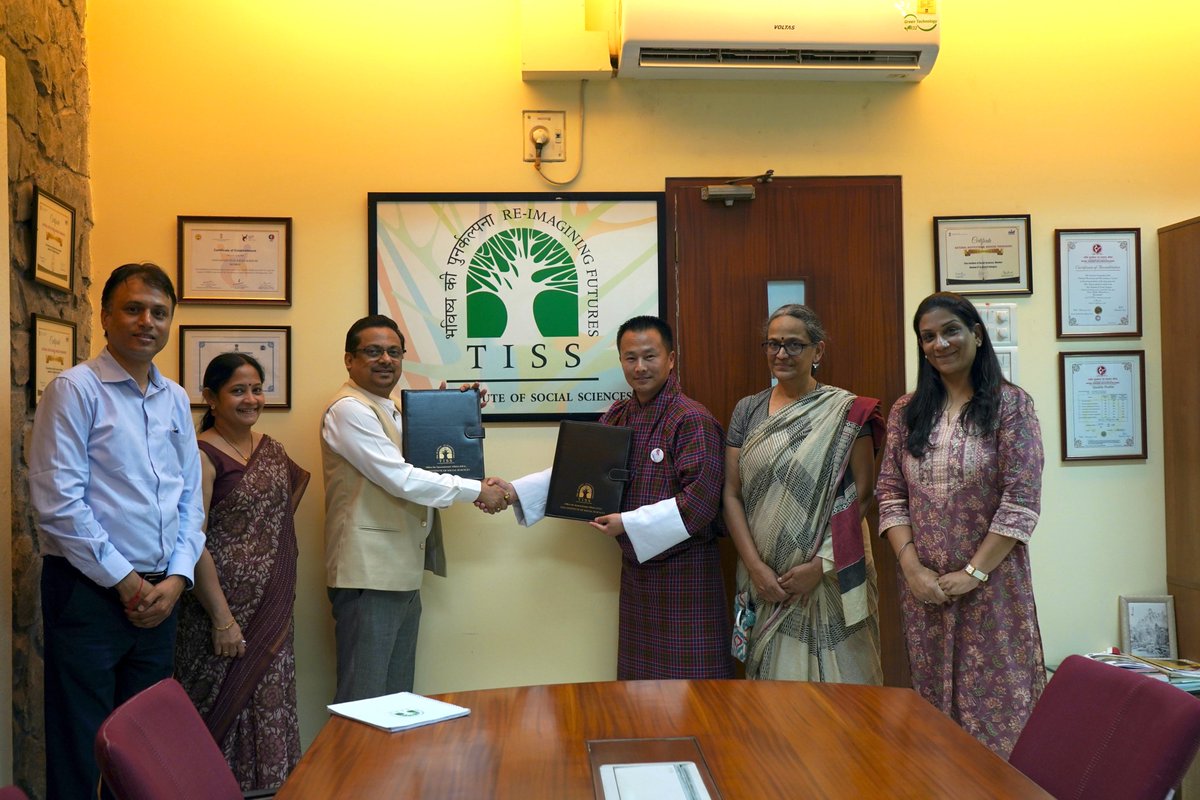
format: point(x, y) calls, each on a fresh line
point(760, 739)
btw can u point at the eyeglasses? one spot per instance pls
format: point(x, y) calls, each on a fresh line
point(374, 352)
point(791, 347)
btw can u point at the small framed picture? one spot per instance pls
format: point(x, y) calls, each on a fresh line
point(52, 350)
point(1099, 282)
point(1102, 406)
point(270, 346)
point(235, 260)
point(53, 241)
point(1148, 626)
point(983, 255)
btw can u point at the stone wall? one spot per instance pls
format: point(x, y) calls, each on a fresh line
point(42, 42)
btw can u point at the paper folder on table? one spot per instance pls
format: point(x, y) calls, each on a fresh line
point(400, 711)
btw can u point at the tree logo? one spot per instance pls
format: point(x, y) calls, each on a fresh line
point(522, 284)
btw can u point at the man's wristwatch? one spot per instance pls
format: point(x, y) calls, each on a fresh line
point(977, 574)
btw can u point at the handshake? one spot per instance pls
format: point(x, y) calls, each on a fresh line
point(495, 495)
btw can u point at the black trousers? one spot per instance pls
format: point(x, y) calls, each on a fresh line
point(95, 659)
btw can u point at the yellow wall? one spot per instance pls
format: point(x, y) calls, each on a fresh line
point(1081, 114)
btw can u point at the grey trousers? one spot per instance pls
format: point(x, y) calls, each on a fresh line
point(376, 636)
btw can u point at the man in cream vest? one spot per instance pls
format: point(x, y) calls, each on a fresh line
point(381, 522)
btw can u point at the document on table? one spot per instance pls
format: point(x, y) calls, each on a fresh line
point(679, 780)
point(400, 711)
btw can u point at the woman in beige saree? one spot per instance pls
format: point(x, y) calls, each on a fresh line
point(799, 457)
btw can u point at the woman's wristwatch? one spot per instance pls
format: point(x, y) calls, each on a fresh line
point(977, 574)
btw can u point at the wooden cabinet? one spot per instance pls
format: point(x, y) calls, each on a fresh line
point(1179, 270)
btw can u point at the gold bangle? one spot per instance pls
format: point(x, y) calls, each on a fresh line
point(226, 627)
point(900, 552)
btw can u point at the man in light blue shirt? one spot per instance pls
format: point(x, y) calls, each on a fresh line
point(114, 475)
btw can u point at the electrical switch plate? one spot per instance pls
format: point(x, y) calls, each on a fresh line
point(555, 123)
point(1000, 319)
point(1007, 356)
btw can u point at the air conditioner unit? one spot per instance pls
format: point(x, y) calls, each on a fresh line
point(825, 40)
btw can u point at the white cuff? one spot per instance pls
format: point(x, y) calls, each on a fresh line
point(654, 529)
point(530, 504)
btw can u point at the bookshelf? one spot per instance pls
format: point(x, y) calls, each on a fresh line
point(1179, 274)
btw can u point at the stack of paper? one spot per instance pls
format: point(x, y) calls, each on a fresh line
point(400, 711)
point(1178, 672)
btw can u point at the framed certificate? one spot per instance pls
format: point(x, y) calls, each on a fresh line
point(53, 241)
point(235, 260)
point(271, 346)
point(983, 255)
point(52, 350)
point(1103, 405)
point(1099, 282)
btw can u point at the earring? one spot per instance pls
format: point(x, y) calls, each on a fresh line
point(816, 366)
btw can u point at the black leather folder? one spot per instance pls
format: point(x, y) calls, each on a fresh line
point(442, 431)
point(590, 470)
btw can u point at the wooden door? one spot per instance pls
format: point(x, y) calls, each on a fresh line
point(843, 238)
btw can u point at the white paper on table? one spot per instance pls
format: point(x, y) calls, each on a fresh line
point(397, 712)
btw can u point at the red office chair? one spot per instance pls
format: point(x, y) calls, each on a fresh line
point(1102, 732)
point(155, 745)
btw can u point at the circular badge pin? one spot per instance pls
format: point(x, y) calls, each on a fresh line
point(656, 455)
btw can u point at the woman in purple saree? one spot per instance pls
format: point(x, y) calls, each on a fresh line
point(234, 652)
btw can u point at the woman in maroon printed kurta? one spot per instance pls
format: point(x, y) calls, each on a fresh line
point(959, 495)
